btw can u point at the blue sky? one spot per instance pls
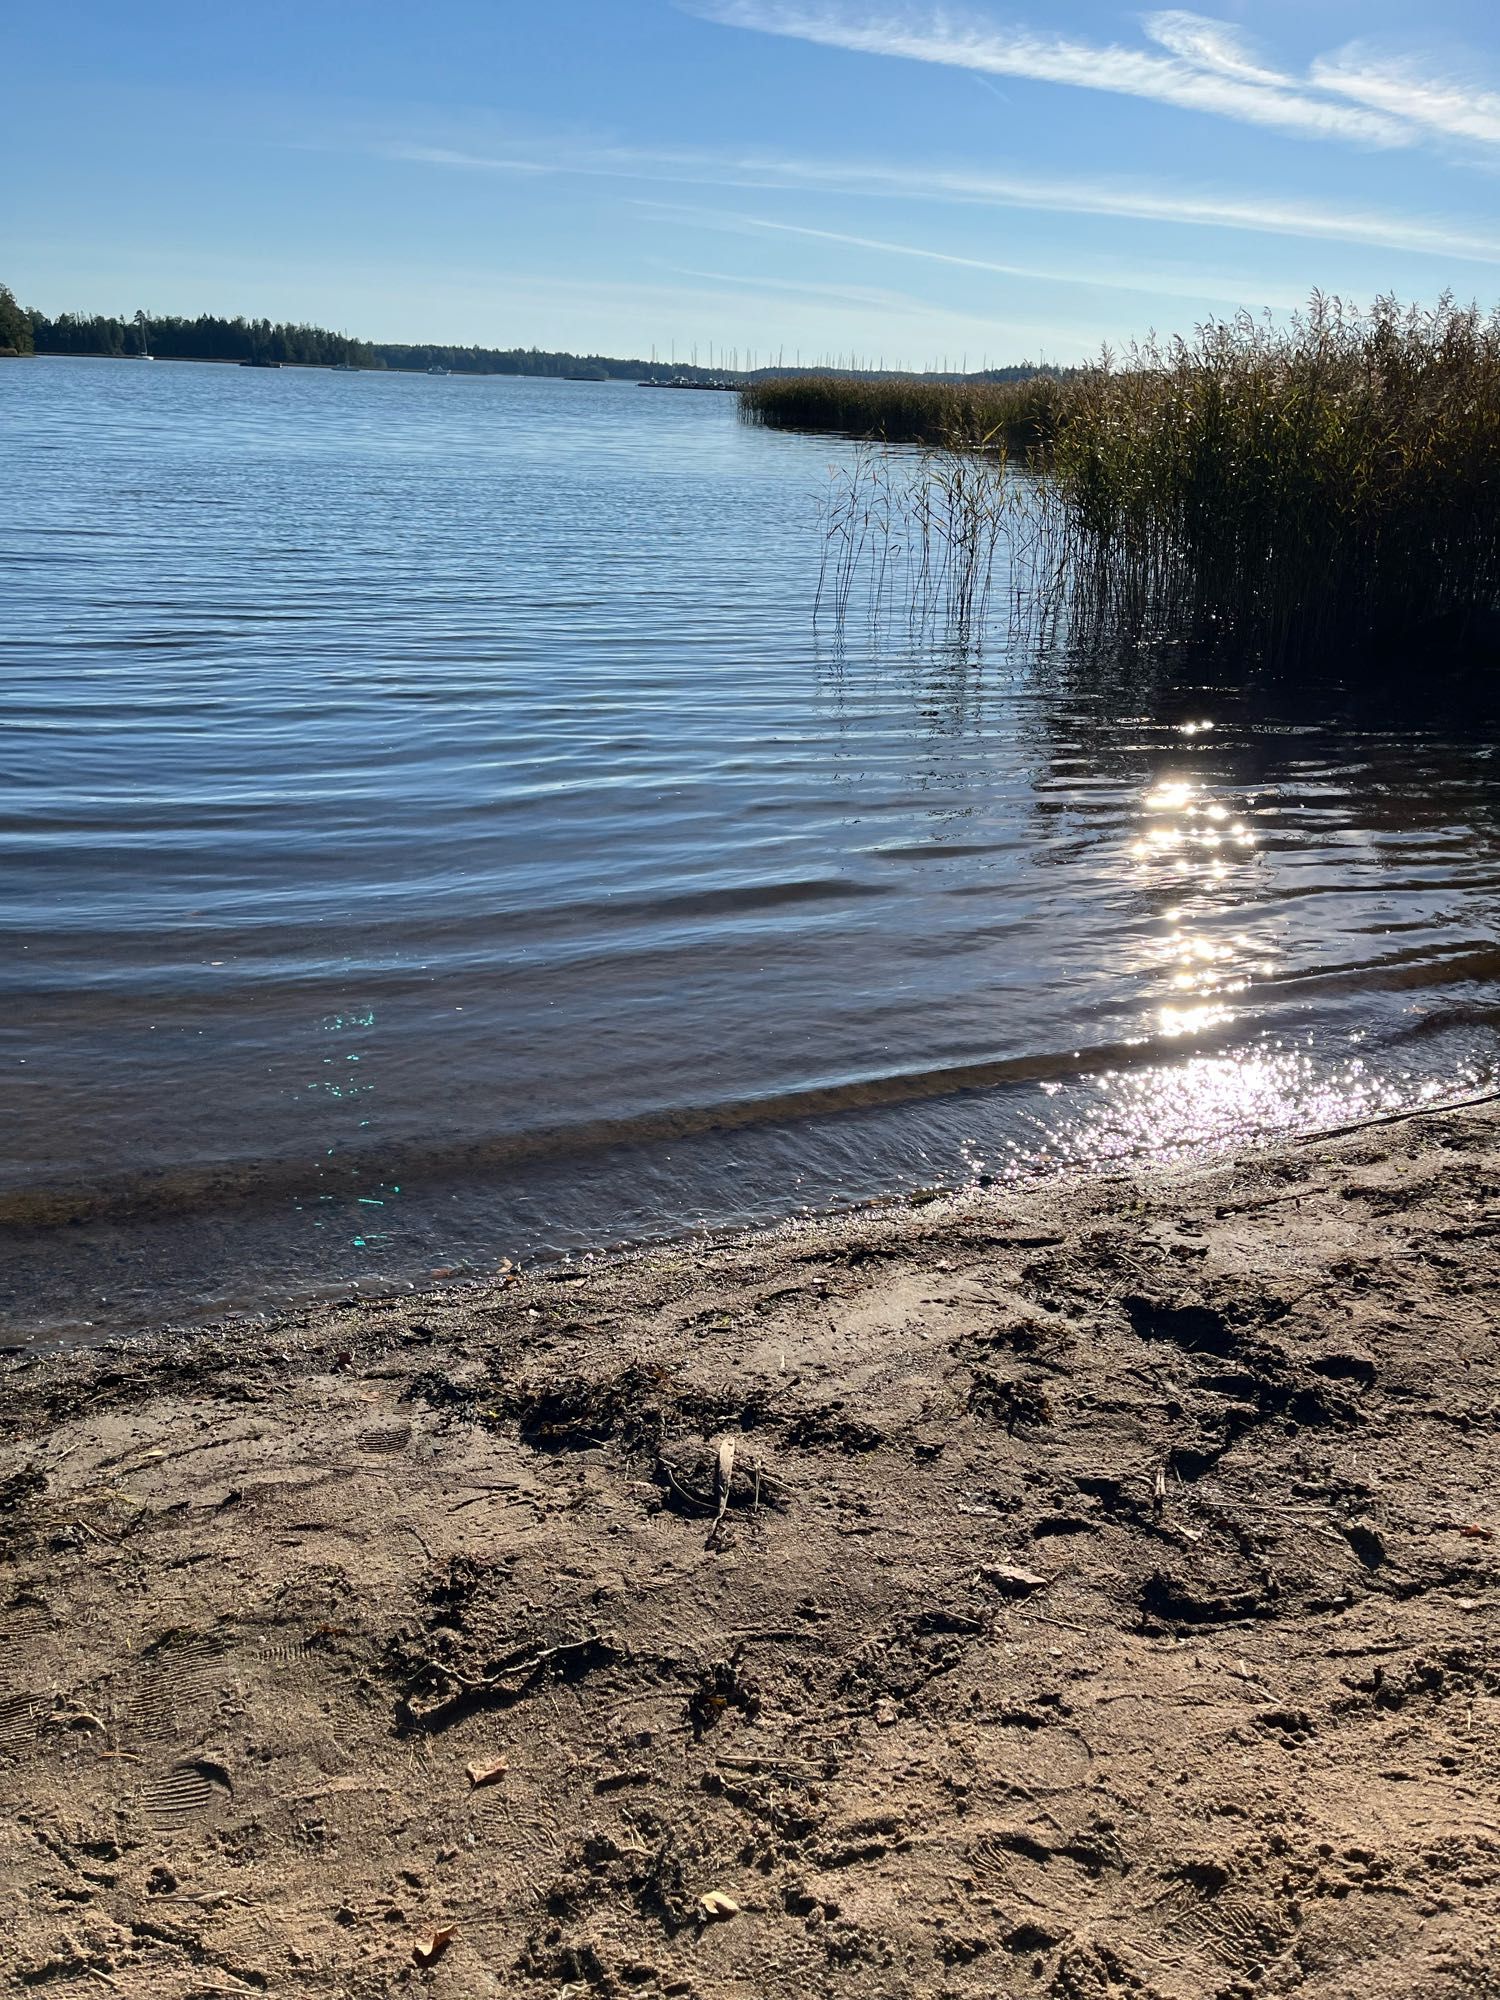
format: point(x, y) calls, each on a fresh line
point(903, 183)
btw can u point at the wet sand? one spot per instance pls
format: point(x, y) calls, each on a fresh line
point(1079, 1592)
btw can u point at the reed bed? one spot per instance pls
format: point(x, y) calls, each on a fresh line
point(1331, 483)
point(1328, 485)
point(972, 415)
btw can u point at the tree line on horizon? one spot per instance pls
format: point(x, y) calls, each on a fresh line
point(206, 338)
point(525, 361)
point(211, 337)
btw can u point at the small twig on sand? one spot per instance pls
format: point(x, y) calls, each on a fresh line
point(507, 1683)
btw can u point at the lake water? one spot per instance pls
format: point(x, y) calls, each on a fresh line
point(432, 831)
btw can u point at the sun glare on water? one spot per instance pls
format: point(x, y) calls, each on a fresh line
point(1196, 855)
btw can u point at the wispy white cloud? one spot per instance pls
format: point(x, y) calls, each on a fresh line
point(1206, 66)
point(1212, 45)
point(1268, 215)
point(846, 295)
point(1146, 282)
point(1357, 93)
point(1409, 90)
point(1435, 236)
point(446, 156)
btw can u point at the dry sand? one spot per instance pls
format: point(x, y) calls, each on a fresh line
point(1076, 1593)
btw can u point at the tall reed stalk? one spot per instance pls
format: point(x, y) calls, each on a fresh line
point(920, 531)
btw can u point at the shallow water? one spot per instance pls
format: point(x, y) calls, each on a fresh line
point(432, 831)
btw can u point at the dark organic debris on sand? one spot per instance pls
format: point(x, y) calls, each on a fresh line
point(1079, 1593)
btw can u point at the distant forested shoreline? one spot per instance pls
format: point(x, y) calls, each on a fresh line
point(210, 337)
point(206, 338)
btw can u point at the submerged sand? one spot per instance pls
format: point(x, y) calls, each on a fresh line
point(1079, 1592)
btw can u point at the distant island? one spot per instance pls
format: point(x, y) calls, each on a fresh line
point(209, 337)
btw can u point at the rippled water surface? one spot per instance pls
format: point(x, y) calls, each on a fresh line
point(432, 831)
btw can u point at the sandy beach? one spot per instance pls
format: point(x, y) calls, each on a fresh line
point(1084, 1591)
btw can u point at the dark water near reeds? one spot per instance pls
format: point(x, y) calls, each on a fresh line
point(431, 831)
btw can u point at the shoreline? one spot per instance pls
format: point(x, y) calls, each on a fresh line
point(1074, 1589)
point(31, 1216)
